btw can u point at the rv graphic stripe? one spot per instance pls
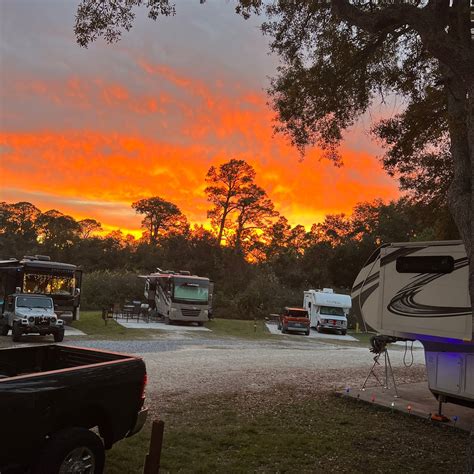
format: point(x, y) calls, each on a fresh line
point(404, 302)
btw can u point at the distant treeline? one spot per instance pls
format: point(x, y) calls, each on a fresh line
point(256, 259)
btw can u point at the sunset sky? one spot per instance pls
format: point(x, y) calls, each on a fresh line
point(89, 131)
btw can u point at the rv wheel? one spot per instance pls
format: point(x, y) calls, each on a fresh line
point(343, 332)
point(318, 327)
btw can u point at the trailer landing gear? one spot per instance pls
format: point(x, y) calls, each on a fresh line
point(439, 416)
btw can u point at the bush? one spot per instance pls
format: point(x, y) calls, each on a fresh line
point(100, 289)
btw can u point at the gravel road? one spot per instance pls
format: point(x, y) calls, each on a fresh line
point(181, 367)
point(186, 367)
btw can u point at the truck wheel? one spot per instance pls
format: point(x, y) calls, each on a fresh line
point(16, 333)
point(72, 450)
point(318, 327)
point(344, 332)
point(59, 336)
point(4, 329)
point(200, 323)
point(306, 333)
point(279, 326)
point(283, 330)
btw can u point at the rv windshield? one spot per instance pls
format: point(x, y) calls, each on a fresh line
point(29, 302)
point(191, 290)
point(332, 311)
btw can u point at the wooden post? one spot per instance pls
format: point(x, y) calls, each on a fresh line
point(152, 459)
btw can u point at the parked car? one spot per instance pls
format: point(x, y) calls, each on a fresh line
point(52, 396)
point(26, 313)
point(294, 320)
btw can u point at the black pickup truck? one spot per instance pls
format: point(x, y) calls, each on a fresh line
point(53, 396)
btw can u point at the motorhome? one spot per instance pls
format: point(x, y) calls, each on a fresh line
point(178, 296)
point(327, 310)
point(419, 291)
point(40, 276)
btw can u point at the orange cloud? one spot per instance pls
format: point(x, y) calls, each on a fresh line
point(168, 136)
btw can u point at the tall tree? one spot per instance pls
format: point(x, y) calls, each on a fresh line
point(254, 212)
point(161, 217)
point(227, 184)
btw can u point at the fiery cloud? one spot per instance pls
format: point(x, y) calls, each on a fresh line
point(91, 146)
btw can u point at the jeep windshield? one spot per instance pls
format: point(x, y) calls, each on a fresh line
point(191, 290)
point(29, 302)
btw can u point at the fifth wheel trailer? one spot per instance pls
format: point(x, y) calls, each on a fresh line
point(419, 291)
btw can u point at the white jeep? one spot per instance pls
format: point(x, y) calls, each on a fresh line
point(30, 314)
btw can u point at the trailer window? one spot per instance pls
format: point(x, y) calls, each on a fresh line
point(48, 284)
point(425, 264)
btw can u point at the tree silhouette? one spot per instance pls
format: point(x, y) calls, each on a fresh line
point(88, 227)
point(161, 218)
point(227, 184)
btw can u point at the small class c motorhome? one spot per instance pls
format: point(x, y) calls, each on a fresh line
point(327, 310)
point(419, 291)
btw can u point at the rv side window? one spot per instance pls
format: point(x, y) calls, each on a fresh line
point(428, 264)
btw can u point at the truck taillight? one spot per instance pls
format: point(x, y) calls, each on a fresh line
point(145, 381)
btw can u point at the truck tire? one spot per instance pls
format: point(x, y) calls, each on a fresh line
point(344, 332)
point(306, 333)
point(318, 327)
point(72, 450)
point(16, 333)
point(59, 335)
point(283, 330)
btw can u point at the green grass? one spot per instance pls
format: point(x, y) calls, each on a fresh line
point(283, 432)
point(92, 324)
point(245, 329)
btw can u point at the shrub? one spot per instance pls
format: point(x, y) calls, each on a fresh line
point(100, 289)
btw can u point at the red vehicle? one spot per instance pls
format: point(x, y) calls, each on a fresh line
point(294, 320)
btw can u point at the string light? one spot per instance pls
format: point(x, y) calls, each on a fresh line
point(409, 409)
point(455, 419)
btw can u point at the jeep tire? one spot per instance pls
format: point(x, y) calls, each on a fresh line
point(72, 450)
point(16, 332)
point(4, 328)
point(59, 335)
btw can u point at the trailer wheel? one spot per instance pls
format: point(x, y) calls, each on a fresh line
point(59, 335)
point(16, 333)
point(72, 450)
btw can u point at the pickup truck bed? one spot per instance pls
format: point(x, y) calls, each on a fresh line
point(45, 389)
